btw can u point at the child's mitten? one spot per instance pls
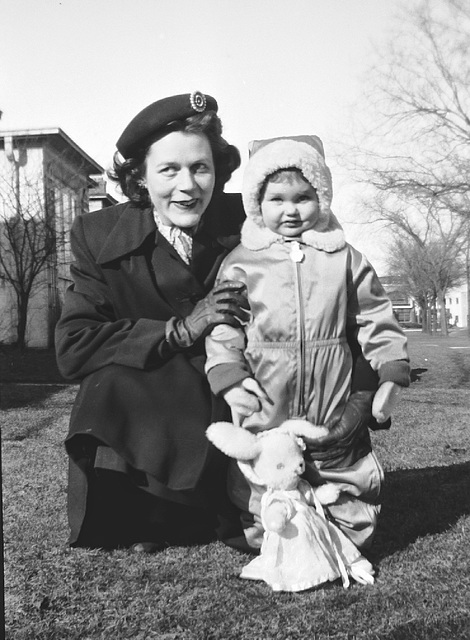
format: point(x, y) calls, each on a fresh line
point(386, 400)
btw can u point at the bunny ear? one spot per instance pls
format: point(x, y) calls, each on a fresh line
point(303, 428)
point(234, 441)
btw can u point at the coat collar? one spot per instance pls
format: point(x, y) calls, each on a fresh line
point(219, 227)
point(134, 225)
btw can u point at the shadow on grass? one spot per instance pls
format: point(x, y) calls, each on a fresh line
point(18, 396)
point(420, 502)
point(415, 374)
point(451, 627)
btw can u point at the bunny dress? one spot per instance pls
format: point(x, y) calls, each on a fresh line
point(309, 551)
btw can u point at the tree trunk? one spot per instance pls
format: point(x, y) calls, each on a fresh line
point(22, 321)
point(467, 273)
point(424, 318)
point(427, 318)
point(443, 313)
point(433, 314)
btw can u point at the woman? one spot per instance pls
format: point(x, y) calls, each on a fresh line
point(142, 473)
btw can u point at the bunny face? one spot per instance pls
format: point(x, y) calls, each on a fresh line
point(280, 461)
point(271, 458)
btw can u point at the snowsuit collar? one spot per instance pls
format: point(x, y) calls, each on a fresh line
point(329, 239)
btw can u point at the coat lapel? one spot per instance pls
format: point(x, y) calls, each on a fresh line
point(130, 231)
point(179, 284)
point(174, 279)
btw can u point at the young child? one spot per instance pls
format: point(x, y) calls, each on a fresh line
point(307, 290)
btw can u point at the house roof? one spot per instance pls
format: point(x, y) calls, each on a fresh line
point(59, 140)
point(99, 192)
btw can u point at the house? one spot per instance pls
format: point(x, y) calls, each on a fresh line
point(98, 197)
point(403, 305)
point(457, 306)
point(407, 311)
point(45, 178)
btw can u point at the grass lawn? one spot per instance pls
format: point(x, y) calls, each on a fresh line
point(421, 553)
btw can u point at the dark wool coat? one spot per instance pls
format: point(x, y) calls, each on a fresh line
point(149, 405)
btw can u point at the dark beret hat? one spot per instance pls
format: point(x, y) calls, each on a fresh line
point(158, 114)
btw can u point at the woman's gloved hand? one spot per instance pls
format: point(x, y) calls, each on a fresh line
point(348, 436)
point(346, 422)
point(225, 304)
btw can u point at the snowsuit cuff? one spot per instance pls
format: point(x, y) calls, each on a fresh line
point(223, 376)
point(397, 371)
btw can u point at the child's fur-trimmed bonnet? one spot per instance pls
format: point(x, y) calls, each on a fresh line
point(306, 154)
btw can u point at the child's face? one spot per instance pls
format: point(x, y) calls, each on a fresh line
point(290, 207)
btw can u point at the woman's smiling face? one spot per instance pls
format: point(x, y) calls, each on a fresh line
point(180, 177)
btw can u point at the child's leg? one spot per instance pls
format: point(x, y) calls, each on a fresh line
point(357, 509)
point(346, 458)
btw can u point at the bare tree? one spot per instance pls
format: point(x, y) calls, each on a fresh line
point(29, 241)
point(426, 271)
point(420, 92)
point(427, 250)
point(417, 155)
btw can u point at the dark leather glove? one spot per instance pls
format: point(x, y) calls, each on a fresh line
point(225, 304)
point(348, 438)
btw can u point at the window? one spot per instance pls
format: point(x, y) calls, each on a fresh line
point(65, 207)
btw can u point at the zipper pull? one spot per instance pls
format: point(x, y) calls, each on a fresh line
point(296, 253)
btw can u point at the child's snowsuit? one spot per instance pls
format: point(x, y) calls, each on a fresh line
point(304, 294)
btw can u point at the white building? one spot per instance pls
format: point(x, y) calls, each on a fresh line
point(44, 175)
point(457, 306)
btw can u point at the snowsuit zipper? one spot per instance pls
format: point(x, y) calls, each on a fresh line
point(297, 256)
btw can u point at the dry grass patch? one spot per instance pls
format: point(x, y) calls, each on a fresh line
point(422, 550)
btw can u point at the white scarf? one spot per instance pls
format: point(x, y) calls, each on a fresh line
point(178, 238)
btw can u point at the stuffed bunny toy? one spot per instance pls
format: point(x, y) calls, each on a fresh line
point(301, 549)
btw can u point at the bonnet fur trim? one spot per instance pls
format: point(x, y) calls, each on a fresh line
point(284, 153)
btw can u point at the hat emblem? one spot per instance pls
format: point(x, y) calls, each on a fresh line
point(198, 101)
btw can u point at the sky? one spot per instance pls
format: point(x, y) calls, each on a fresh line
point(276, 67)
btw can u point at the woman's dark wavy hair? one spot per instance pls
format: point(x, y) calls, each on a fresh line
point(130, 173)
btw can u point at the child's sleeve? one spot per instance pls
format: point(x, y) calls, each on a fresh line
point(225, 345)
point(369, 309)
point(226, 364)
